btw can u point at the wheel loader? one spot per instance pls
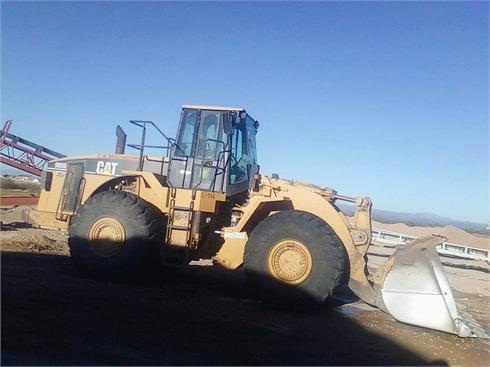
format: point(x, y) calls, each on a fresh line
point(204, 198)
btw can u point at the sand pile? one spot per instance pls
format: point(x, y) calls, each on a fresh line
point(453, 234)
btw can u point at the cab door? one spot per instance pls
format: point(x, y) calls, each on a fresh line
point(208, 167)
point(243, 162)
point(198, 159)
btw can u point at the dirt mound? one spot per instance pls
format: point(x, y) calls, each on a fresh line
point(453, 234)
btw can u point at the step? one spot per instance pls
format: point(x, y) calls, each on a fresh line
point(181, 208)
point(178, 228)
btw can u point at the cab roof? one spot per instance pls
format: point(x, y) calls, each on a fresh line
point(213, 108)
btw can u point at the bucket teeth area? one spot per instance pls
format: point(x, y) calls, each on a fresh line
point(467, 326)
point(416, 291)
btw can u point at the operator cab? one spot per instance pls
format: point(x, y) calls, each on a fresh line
point(214, 150)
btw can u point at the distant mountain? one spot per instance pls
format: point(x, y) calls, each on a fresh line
point(412, 219)
point(420, 219)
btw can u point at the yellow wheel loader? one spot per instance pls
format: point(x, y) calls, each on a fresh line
point(204, 198)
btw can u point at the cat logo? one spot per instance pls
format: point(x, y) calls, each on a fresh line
point(106, 168)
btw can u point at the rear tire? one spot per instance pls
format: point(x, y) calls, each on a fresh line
point(294, 259)
point(115, 232)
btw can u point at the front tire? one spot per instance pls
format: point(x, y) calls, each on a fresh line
point(294, 258)
point(114, 232)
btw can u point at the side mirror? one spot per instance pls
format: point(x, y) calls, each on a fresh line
point(228, 122)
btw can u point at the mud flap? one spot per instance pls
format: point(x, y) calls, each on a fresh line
point(416, 290)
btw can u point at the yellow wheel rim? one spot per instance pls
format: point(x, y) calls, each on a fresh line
point(290, 261)
point(106, 236)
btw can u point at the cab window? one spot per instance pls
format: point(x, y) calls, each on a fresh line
point(186, 133)
point(243, 151)
point(251, 144)
point(209, 135)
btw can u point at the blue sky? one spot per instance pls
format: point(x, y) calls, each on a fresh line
point(385, 99)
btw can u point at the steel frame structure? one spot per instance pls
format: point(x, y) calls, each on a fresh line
point(23, 154)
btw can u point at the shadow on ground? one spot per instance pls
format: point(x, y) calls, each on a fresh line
point(52, 315)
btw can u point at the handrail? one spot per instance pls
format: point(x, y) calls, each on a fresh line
point(170, 141)
point(142, 124)
point(204, 161)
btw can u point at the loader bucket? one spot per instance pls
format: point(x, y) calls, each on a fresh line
point(416, 290)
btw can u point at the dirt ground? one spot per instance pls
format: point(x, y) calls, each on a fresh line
point(203, 315)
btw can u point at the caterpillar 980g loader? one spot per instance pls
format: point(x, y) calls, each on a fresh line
point(205, 199)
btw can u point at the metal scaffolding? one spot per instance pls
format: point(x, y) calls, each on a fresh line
point(23, 154)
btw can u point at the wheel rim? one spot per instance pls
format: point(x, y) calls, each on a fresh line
point(290, 261)
point(107, 236)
